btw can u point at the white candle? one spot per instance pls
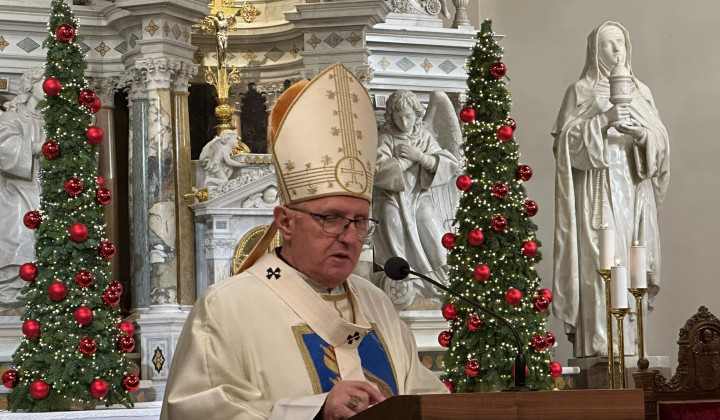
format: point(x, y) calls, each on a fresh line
point(607, 248)
point(638, 267)
point(618, 287)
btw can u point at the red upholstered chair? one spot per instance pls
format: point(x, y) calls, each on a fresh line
point(694, 392)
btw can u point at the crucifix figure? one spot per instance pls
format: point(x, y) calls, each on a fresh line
point(219, 25)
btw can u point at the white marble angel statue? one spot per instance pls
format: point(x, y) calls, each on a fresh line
point(410, 165)
point(216, 160)
point(612, 171)
point(21, 139)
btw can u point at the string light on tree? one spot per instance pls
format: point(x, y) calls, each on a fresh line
point(493, 219)
point(66, 323)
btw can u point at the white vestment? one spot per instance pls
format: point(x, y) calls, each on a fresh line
point(19, 194)
point(264, 341)
point(603, 177)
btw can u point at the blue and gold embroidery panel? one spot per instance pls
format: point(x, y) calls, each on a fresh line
point(322, 366)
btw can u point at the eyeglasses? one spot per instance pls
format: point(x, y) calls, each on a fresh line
point(336, 225)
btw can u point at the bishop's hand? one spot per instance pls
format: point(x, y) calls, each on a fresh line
point(348, 398)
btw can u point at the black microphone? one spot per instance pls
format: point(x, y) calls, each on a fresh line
point(397, 269)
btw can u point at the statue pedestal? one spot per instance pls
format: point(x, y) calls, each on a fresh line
point(593, 370)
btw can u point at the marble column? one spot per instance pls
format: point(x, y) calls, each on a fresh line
point(165, 249)
point(184, 220)
point(138, 190)
point(104, 88)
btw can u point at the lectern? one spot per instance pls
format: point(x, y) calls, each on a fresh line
point(600, 404)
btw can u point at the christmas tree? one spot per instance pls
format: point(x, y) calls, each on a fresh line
point(72, 354)
point(494, 251)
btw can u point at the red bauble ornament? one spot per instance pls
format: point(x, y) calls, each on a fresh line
point(111, 298)
point(107, 250)
point(550, 339)
point(52, 86)
point(513, 297)
point(39, 389)
point(538, 342)
point(84, 278)
point(130, 382)
point(498, 69)
point(500, 190)
point(57, 291)
point(540, 303)
point(531, 208)
point(127, 328)
point(467, 115)
point(115, 286)
point(472, 368)
point(10, 378)
point(463, 182)
point(94, 135)
point(529, 249)
point(511, 123)
point(476, 237)
point(28, 271)
point(474, 323)
point(65, 32)
point(504, 133)
point(98, 388)
point(555, 369)
point(524, 172)
point(499, 223)
point(87, 346)
point(31, 328)
point(100, 182)
point(78, 232)
point(449, 312)
point(481, 272)
point(449, 386)
point(95, 106)
point(125, 343)
point(83, 315)
point(444, 338)
point(448, 240)
point(86, 97)
point(73, 187)
point(547, 293)
point(51, 149)
point(32, 219)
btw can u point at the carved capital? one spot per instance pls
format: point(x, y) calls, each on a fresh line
point(416, 7)
point(183, 72)
point(104, 88)
point(133, 82)
point(157, 72)
point(217, 248)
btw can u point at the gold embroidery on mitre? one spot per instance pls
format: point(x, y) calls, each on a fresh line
point(348, 122)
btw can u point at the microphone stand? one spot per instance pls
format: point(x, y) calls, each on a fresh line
point(520, 364)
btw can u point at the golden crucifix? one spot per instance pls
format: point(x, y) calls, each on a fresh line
point(222, 18)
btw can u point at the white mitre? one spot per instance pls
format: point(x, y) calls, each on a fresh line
point(324, 142)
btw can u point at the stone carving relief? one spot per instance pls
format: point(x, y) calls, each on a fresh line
point(420, 7)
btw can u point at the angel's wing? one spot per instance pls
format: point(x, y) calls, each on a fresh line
point(443, 123)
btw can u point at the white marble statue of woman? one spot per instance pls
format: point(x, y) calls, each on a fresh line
point(409, 163)
point(607, 175)
point(21, 139)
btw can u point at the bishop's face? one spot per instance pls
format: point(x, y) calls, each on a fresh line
point(611, 46)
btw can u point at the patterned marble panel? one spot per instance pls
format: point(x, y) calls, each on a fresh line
point(405, 64)
point(28, 44)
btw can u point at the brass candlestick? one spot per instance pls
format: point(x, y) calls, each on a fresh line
point(619, 314)
point(639, 293)
point(605, 274)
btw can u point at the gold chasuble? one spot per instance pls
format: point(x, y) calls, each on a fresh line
point(264, 341)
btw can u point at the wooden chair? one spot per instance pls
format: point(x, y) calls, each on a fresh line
point(694, 392)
